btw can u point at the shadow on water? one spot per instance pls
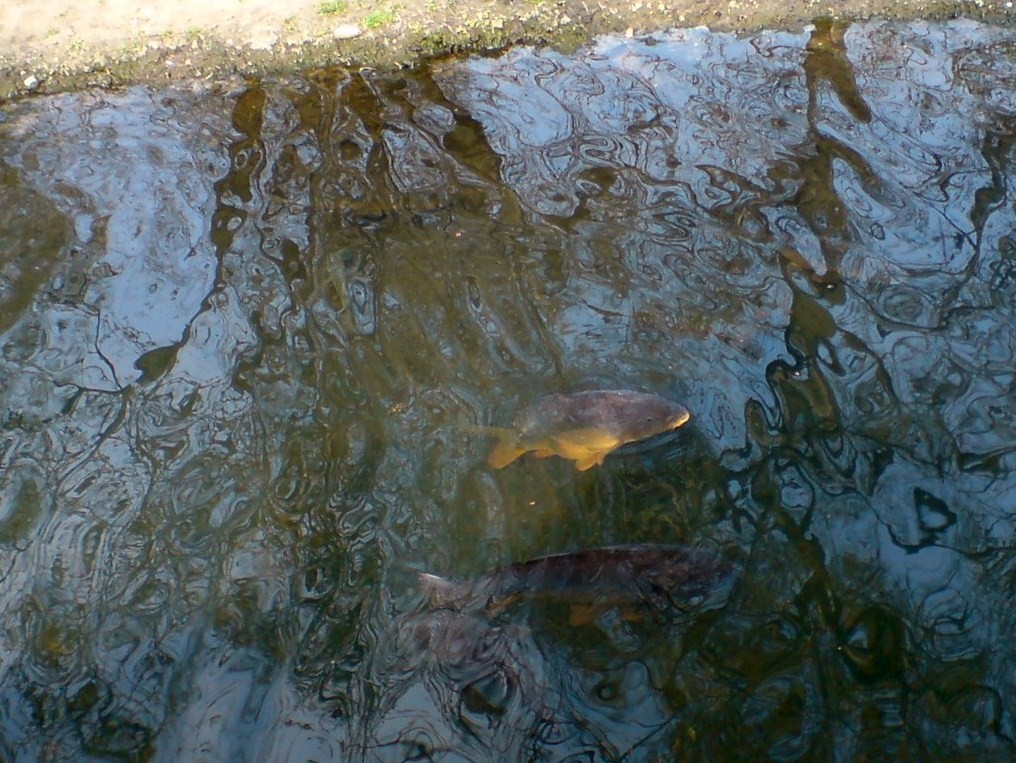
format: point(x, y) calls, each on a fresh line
point(253, 333)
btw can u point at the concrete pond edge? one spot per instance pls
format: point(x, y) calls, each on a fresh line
point(412, 34)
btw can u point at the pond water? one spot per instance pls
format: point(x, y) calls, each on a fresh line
point(253, 333)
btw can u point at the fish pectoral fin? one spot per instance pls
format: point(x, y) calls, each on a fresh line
point(589, 461)
point(583, 614)
point(498, 605)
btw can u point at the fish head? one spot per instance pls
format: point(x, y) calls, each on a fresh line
point(651, 416)
point(679, 418)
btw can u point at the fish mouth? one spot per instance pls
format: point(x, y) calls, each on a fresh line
point(680, 419)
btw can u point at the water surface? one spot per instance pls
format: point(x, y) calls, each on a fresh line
point(250, 330)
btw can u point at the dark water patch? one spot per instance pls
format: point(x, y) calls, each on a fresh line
point(253, 336)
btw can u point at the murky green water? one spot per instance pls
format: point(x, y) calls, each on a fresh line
point(250, 330)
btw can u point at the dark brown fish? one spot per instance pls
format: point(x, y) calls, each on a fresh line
point(659, 576)
point(584, 427)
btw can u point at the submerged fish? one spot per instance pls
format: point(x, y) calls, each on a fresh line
point(661, 577)
point(584, 427)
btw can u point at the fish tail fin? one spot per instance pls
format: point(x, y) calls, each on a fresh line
point(440, 592)
point(506, 450)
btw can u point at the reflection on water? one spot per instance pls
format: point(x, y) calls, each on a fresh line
point(252, 332)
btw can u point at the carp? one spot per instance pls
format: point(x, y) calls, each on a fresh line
point(585, 426)
point(658, 576)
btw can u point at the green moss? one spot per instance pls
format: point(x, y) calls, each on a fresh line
point(332, 7)
point(379, 18)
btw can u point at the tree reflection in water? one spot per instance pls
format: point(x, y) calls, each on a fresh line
point(252, 331)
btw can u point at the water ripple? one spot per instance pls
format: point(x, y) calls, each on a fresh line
point(255, 335)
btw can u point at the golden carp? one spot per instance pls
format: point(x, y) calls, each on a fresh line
point(661, 577)
point(585, 426)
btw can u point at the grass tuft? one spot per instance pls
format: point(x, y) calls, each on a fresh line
point(379, 18)
point(332, 7)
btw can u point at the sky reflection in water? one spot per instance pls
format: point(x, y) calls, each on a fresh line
point(250, 329)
